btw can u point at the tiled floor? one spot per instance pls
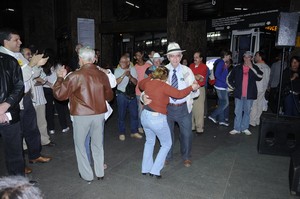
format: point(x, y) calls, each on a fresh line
point(224, 167)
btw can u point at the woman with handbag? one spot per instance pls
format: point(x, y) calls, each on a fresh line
point(291, 88)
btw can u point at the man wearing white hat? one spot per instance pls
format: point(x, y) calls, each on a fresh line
point(157, 60)
point(180, 110)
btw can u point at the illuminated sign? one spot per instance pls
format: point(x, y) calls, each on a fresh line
point(297, 41)
point(243, 21)
point(272, 28)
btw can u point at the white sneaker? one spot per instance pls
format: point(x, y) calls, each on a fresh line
point(122, 137)
point(136, 135)
point(212, 119)
point(66, 130)
point(141, 130)
point(224, 123)
point(233, 132)
point(247, 132)
point(51, 132)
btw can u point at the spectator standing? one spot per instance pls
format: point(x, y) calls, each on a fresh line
point(291, 88)
point(262, 85)
point(140, 68)
point(274, 83)
point(126, 77)
point(242, 80)
point(49, 78)
point(200, 71)
point(157, 60)
point(220, 73)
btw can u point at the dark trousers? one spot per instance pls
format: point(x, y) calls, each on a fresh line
point(273, 99)
point(13, 151)
point(180, 115)
point(291, 105)
point(30, 130)
point(61, 108)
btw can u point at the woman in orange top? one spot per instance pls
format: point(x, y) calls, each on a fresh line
point(154, 119)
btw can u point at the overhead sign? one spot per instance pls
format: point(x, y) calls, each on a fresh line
point(86, 32)
point(243, 21)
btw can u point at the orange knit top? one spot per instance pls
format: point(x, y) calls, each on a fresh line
point(159, 92)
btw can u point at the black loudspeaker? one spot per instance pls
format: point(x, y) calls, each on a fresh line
point(278, 136)
point(287, 29)
point(294, 174)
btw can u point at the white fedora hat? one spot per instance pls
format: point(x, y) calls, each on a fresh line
point(174, 48)
point(157, 56)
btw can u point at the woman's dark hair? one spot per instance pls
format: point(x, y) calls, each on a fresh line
point(225, 53)
point(262, 55)
point(297, 58)
point(48, 52)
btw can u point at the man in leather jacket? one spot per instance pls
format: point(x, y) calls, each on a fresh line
point(11, 92)
point(87, 89)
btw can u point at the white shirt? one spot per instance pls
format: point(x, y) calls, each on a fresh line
point(263, 84)
point(37, 92)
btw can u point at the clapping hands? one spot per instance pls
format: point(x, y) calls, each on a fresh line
point(61, 72)
point(195, 85)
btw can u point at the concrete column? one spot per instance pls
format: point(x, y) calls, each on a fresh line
point(191, 35)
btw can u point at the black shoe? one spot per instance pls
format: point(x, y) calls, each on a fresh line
point(144, 174)
point(33, 182)
point(157, 176)
point(100, 178)
point(50, 144)
point(199, 133)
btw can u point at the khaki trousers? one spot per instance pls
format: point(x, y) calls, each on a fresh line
point(198, 111)
point(42, 123)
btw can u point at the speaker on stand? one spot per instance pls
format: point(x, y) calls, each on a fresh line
point(280, 135)
point(287, 29)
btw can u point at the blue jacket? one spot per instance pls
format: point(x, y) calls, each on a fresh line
point(235, 81)
point(221, 73)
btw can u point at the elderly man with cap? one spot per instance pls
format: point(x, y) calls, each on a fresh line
point(242, 79)
point(180, 110)
point(157, 60)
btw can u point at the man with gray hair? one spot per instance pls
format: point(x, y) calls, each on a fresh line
point(87, 89)
point(18, 187)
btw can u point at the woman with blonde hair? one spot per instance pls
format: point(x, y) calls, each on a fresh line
point(154, 119)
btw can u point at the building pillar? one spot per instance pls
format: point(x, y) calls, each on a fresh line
point(190, 35)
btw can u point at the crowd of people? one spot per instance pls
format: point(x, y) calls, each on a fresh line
point(34, 87)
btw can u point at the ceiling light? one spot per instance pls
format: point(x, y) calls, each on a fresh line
point(129, 3)
point(10, 9)
point(132, 4)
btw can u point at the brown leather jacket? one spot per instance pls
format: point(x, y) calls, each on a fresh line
point(87, 89)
